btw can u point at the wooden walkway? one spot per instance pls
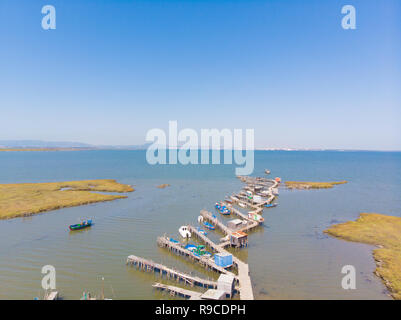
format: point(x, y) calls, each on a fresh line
point(243, 278)
point(179, 250)
point(150, 266)
point(176, 291)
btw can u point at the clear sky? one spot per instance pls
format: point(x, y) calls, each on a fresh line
point(112, 70)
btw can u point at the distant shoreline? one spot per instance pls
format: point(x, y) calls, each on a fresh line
point(30, 149)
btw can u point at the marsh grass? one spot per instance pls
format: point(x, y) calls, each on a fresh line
point(24, 199)
point(162, 186)
point(384, 232)
point(312, 185)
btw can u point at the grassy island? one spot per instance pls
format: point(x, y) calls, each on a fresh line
point(311, 185)
point(25, 199)
point(162, 186)
point(385, 233)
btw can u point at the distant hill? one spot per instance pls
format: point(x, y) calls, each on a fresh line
point(42, 144)
point(22, 144)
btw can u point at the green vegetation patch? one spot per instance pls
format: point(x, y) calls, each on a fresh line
point(382, 231)
point(24, 199)
point(312, 185)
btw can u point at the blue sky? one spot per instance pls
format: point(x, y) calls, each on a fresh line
point(112, 70)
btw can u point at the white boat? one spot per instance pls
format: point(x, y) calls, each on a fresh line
point(184, 232)
point(267, 171)
point(242, 205)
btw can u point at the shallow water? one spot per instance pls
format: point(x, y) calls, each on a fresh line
point(289, 256)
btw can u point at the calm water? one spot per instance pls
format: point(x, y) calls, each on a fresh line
point(289, 257)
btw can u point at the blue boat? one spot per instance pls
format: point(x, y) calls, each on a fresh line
point(84, 224)
point(209, 226)
point(190, 247)
point(222, 209)
point(201, 231)
point(173, 240)
point(270, 205)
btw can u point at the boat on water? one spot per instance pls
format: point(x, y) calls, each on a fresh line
point(184, 232)
point(256, 217)
point(174, 241)
point(84, 224)
point(190, 247)
point(201, 231)
point(222, 209)
point(242, 205)
point(267, 171)
point(270, 205)
point(208, 225)
point(199, 251)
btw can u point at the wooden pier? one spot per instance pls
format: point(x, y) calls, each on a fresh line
point(250, 224)
point(179, 250)
point(243, 279)
point(171, 274)
point(176, 291)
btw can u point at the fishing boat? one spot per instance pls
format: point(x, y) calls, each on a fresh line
point(222, 208)
point(174, 241)
point(270, 205)
point(208, 225)
point(190, 247)
point(242, 205)
point(267, 171)
point(184, 232)
point(201, 231)
point(255, 217)
point(82, 225)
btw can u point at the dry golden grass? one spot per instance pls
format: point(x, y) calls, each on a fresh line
point(312, 185)
point(379, 230)
point(162, 186)
point(24, 199)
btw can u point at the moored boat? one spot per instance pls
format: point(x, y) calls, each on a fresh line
point(84, 224)
point(242, 205)
point(208, 225)
point(222, 208)
point(201, 231)
point(184, 232)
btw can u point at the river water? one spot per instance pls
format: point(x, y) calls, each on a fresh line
point(289, 257)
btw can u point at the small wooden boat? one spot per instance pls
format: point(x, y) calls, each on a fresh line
point(184, 232)
point(201, 231)
point(84, 224)
point(208, 225)
point(242, 205)
point(190, 247)
point(222, 208)
point(271, 205)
